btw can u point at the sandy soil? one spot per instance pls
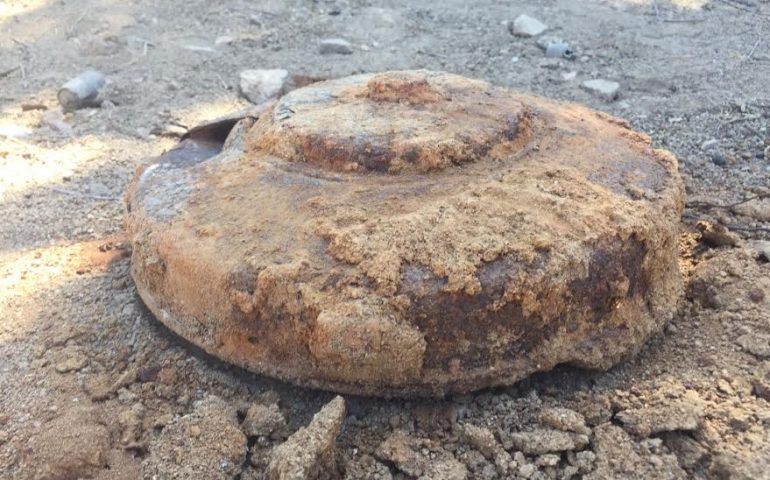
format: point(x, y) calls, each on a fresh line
point(92, 386)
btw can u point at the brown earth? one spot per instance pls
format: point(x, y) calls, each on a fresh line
point(86, 371)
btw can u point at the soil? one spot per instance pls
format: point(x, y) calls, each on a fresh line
point(93, 386)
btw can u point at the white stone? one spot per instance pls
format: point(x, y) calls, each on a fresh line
point(605, 89)
point(259, 86)
point(526, 26)
point(335, 45)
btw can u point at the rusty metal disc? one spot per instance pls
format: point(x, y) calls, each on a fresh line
point(411, 234)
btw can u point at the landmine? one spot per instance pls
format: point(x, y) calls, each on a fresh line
point(410, 233)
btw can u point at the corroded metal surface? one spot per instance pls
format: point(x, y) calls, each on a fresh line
point(411, 233)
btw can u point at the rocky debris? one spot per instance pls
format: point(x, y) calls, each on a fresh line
point(70, 446)
point(605, 89)
point(206, 443)
point(690, 453)
point(483, 440)
point(762, 247)
point(309, 451)
point(542, 441)
point(715, 234)
point(420, 458)
point(70, 359)
point(617, 456)
point(526, 26)
point(564, 419)
point(335, 46)
point(643, 422)
point(263, 421)
point(366, 467)
point(758, 209)
point(130, 421)
point(259, 86)
point(755, 344)
point(101, 387)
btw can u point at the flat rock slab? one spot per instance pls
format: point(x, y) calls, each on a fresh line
point(411, 234)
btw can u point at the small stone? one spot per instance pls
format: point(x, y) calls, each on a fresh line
point(310, 450)
point(4, 437)
point(543, 441)
point(605, 89)
point(725, 387)
point(718, 159)
point(584, 461)
point(716, 235)
point(547, 460)
point(263, 421)
point(709, 144)
point(131, 423)
point(762, 247)
point(482, 440)
point(526, 26)
point(71, 360)
point(259, 86)
point(335, 46)
point(689, 452)
point(643, 422)
point(568, 76)
point(527, 470)
point(755, 344)
point(558, 50)
point(366, 467)
point(564, 419)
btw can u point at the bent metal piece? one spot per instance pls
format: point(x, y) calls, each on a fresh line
point(410, 234)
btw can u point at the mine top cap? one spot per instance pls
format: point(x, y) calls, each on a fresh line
point(395, 122)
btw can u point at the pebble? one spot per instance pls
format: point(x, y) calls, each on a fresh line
point(568, 76)
point(526, 26)
point(605, 89)
point(259, 86)
point(335, 46)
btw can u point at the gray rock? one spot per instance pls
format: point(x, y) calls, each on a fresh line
point(526, 26)
point(263, 421)
point(310, 450)
point(335, 45)
point(543, 441)
point(606, 89)
point(259, 86)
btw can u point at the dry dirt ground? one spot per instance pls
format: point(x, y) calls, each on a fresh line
point(92, 386)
